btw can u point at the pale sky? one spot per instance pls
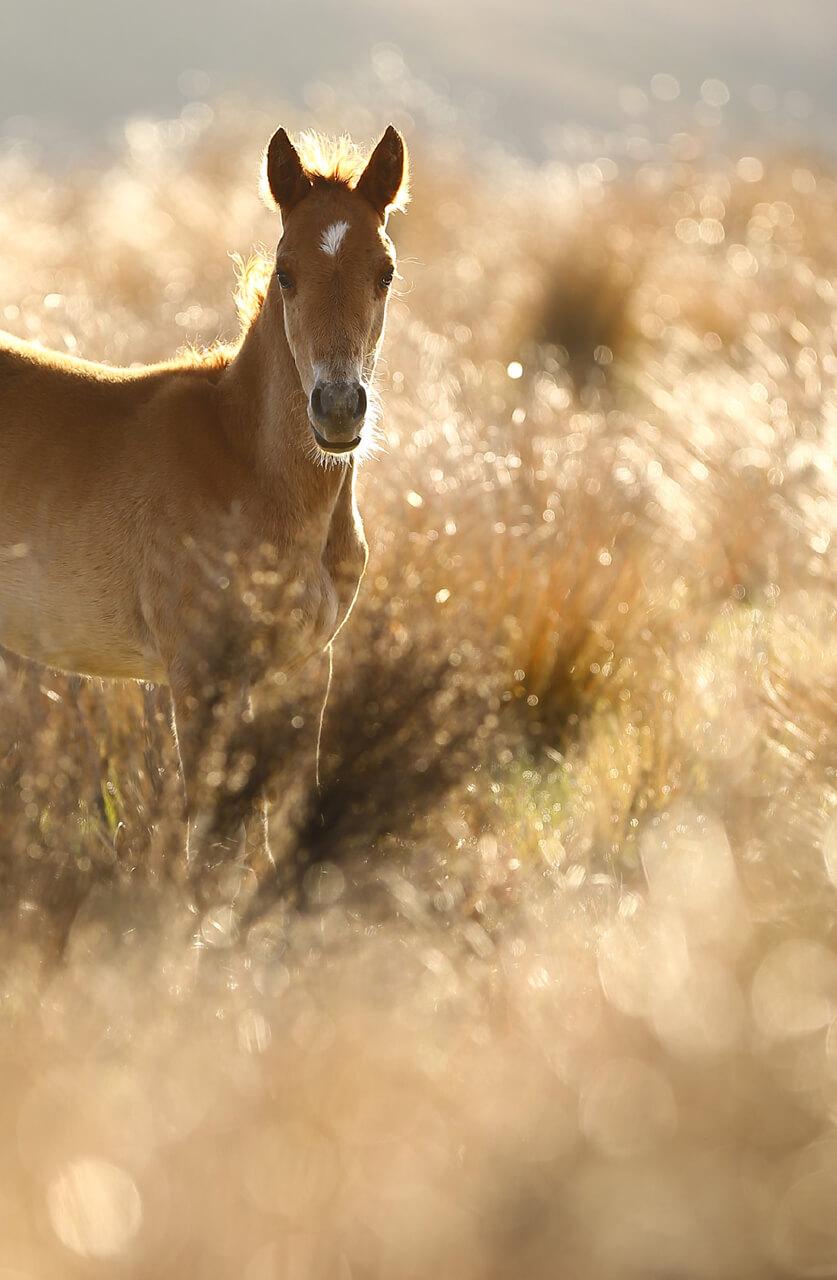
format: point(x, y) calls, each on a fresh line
point(73, 72)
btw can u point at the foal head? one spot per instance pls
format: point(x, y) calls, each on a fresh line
point(334, 267)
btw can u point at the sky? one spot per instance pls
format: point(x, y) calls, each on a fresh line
point(525, 71)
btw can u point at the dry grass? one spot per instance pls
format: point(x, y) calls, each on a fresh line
point(545, 984)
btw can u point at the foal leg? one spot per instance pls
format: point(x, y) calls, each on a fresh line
point(256, 842)
point(221, 827)
point(189, 729)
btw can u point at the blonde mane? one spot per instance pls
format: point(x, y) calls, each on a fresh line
point(342, 161)
point(252, 277)
point(330, 159)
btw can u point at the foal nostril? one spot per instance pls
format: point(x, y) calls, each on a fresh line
point(317, 403)
point(360, 407)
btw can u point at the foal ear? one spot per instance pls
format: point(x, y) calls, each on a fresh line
point(384, 180)
point(286, 178)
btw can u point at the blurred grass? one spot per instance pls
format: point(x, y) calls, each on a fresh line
point(544, 983)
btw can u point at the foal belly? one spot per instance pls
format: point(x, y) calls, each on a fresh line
point(51, 624)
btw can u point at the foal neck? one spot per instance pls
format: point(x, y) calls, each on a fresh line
point(267, 420)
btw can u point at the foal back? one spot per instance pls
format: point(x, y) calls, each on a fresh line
point(90, 460)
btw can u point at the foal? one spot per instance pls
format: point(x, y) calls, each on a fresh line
point(117, 484)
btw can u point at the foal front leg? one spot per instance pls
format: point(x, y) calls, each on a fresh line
point(223, 821)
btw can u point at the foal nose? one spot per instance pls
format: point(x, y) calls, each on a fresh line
point(338, 410)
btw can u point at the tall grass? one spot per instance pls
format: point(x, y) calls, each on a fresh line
point(544, 981)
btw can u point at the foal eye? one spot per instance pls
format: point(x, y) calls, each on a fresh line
point(387, 278)
point(285, 281)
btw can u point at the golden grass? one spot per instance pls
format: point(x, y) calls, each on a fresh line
point(545, 984)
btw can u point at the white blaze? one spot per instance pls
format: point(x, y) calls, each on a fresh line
point(333, 237)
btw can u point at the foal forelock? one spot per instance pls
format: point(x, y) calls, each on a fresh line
point(332, 238)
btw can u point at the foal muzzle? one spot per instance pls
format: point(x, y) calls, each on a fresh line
point(337, 411)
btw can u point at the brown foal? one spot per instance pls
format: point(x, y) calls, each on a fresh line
point(117, 485)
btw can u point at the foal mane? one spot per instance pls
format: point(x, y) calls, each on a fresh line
point(252, 277)
point(337, 160)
